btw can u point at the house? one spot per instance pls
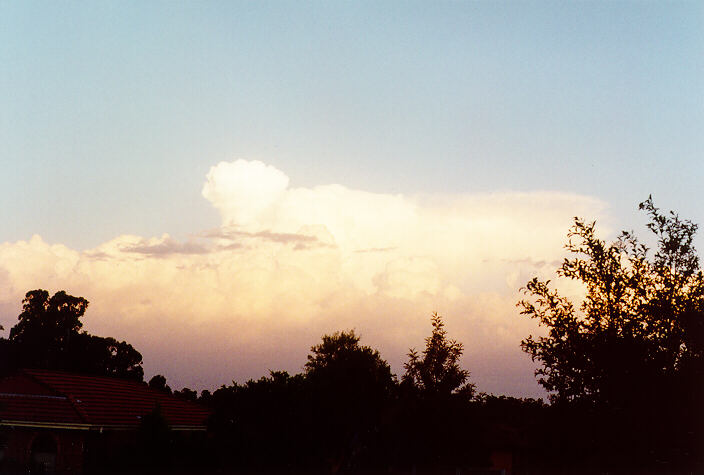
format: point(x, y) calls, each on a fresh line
point(53, 422)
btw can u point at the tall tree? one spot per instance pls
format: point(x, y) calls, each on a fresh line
point(340, 364)
point(48, 335)
point(350, 388)
point(433, 419)
point(49, 321)
point(437, 373)
point(632, 351)
point(641, 319)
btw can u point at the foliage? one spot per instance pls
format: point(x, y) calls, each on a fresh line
point(262, 422)
point(350, 387)
point(188, 394)
point(433, 421)
point(437, 373)
point(49, 321)
point(48, 335)
point(640, 322)
point(106, 356)
point(158, 382)
point(628, 360)
point(341, 357)
point(342, 368)
point(326, 418)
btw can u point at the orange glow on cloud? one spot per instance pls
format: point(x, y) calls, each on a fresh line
point(289, 264)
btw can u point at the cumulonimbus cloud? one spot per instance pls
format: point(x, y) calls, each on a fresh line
point(288, 264)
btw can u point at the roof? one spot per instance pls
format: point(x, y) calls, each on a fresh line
point(42, 398)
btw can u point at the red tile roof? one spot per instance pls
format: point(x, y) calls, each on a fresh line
point(53, 397)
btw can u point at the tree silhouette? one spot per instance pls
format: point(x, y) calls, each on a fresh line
point(433, 417)
point(437, 373)
point(641, 318)
point(158, 382)
point(262, 423)
point(48, 335)
point(188, 394)
point(350, 388)
point(48, 322)
point(633, 349)
point(342, 365)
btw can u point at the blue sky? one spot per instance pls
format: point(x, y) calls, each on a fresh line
point(113, 113)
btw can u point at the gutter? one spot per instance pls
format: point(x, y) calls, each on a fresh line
point(93, 427)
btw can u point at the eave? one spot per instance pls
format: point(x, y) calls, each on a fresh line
point(90, 427)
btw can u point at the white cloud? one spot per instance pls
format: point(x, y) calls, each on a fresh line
point(288, 264)
point(244, 191)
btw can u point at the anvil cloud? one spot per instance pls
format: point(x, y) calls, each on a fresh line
point(288, 264)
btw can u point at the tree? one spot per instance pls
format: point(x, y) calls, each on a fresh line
point(437, 373)
point(640, 321)
point(188, 394)
point(262, 424)
point(158, 382)
point(341, 364)
point(104, 356)
point(633, 350)
point(48, 323)
point(350, 389)
point(48, 335)
point(434, 411)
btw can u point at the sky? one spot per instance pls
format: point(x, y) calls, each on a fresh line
point(225, 182)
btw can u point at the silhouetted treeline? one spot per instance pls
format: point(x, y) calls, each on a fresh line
point(347, 412)
point(274, 424)
point(624, 371)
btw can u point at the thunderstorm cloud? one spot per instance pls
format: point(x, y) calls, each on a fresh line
point(287, 264)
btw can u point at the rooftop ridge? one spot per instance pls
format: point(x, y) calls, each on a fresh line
point(37, 396)
point(75, 404)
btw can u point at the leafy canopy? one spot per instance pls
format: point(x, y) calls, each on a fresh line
point(48, 335)
point(640, 326)
point(48, 320)
point(437, 372)
point(340, 362)
point(350, 387)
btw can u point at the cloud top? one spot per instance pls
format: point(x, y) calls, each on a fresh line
point(243, 191)
point(289, 264)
